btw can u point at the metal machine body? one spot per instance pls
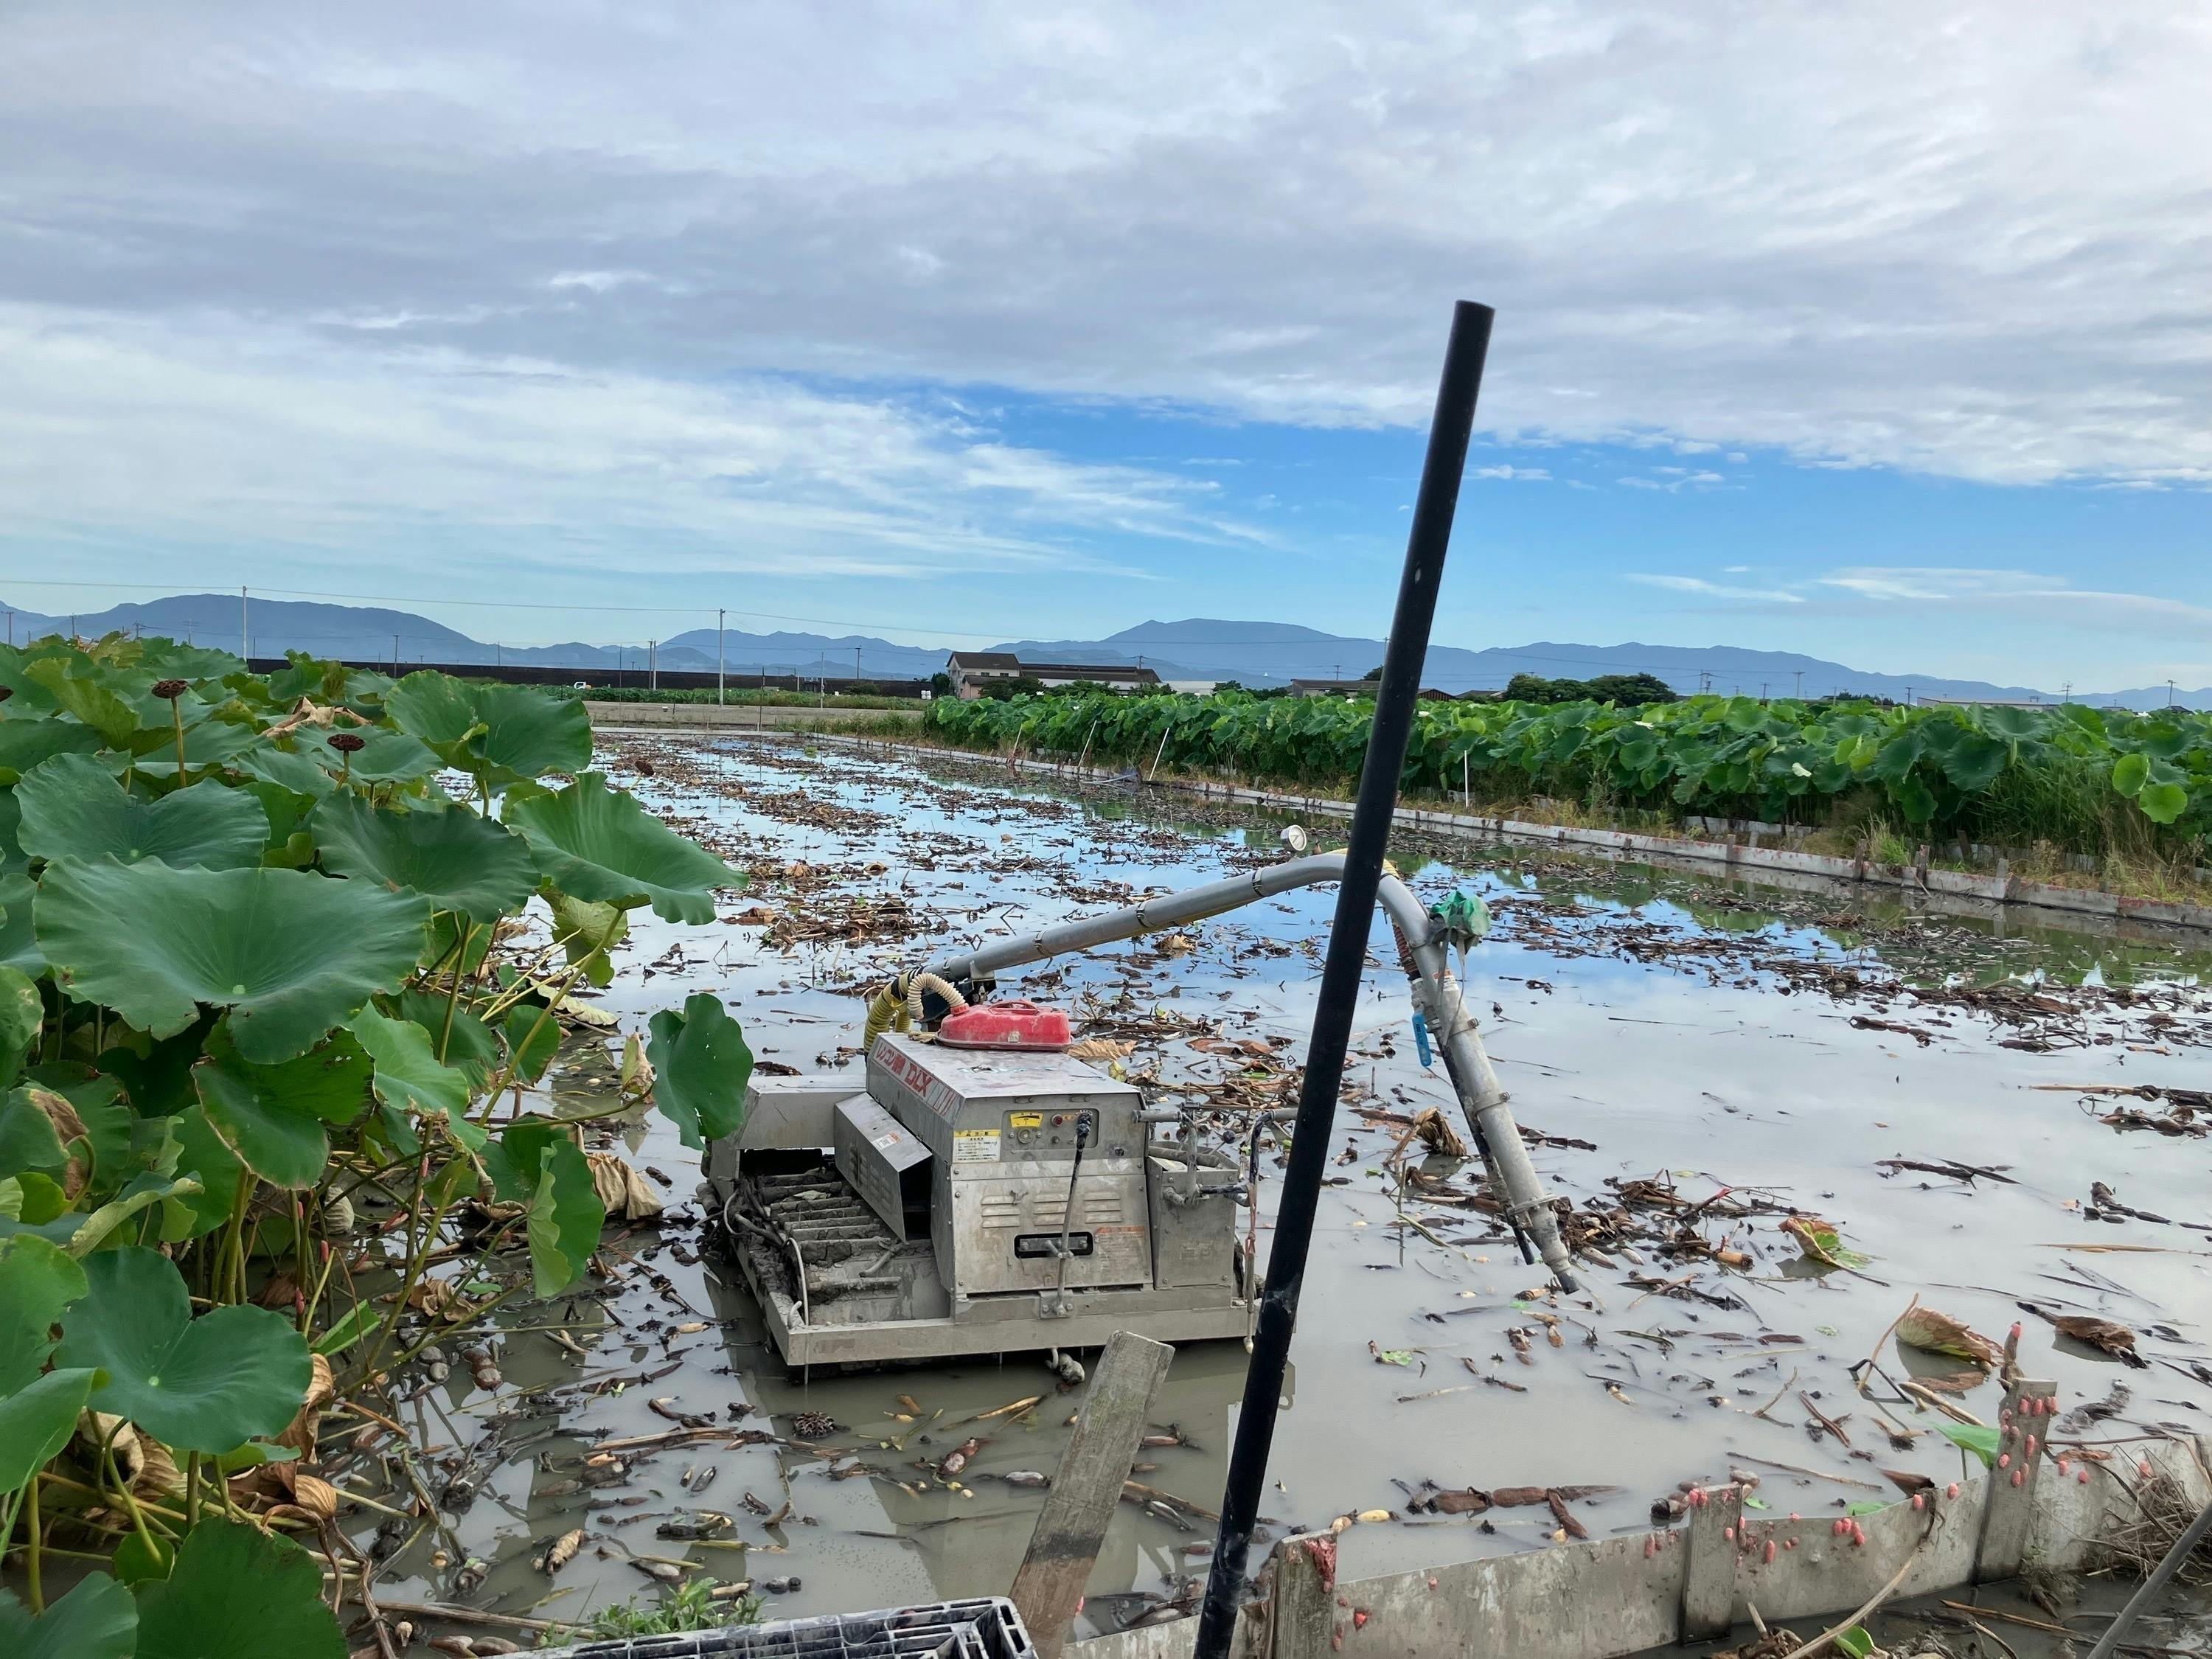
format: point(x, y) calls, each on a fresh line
point(1045, 1224)
point(975, 1201)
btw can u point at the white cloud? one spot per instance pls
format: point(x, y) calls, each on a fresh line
point(1965, 593)
point(253, 438)
point(1522, 474)
point(1717, 590)
point(1967, 240)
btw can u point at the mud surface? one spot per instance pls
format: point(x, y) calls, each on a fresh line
point(1695, 1065)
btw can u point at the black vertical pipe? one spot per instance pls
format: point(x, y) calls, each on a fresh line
point(1402, 659)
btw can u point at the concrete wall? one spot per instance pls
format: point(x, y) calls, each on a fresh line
point(1607, 1598)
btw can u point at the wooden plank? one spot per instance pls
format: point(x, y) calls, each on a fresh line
point(1709, 1581)
point(1087, 1485)
point(2009, 1515)
point(1302, 1614)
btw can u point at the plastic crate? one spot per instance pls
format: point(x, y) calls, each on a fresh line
point(988, 1628)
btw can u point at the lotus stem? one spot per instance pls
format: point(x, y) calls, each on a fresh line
point(454, 998)
point(36, 1596)
point(177, 718)
point(192, 1490)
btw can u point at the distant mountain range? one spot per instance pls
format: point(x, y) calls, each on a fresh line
point(1200, 648)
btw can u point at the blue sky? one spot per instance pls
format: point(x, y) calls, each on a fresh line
point(1880, 333)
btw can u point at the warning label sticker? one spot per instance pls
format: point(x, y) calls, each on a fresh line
point(974, 1145)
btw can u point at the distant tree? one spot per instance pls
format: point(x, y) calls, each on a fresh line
point(1534, 688)
point(1631, 689)
point(1374, 673)
point(1080, 688)
point(940, 684)
point(1012, 686)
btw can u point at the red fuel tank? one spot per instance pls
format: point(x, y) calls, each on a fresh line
point(1009, 1024)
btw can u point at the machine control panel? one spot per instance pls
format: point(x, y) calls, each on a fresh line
point(1039, 1133)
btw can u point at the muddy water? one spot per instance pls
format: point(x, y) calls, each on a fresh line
point(1677, 1026)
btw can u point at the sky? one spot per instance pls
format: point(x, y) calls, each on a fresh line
point(1880, 332)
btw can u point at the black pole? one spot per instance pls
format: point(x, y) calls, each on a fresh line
point(1341, 972)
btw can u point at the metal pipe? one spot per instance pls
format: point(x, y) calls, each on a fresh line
point(1174, 910)
point(1392, 726)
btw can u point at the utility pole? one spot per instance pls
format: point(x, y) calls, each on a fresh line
point(395, 655)
point(1908, 696)
point(1800, 692)
point(719, 696)
point(245, 630)
point(653, 665)
point(856, 662)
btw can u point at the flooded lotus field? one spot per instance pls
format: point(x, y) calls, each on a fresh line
point(1996, 1119)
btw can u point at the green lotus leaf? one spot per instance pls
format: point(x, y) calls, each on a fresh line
point(2162, 802)
point(29, 1139)
point(100, 706)
point(468, 1043)
point(38, 1280)
point(100, 1106)
point(24, 743)
point(291, 955)
point(456, 859)
point(22, 1015)
point(387, 757)
point(203, 1384)
point(18, 943)
point(237, 1592)
point(142, 1556)
point(98, 1620)
point(503, 733)
point(272, 1116)
point(531, 1039)
point(34, 1199)
point(439, 709)
point(587, 933)
point(287, 769)
point(409, 1077)
point(12, 857)
point(598, 844)
point(565, 1219)
point(516, 1159)
point(2130, 773)
point(37, 1421)
point(206, 1158)
point(158, 1081)
point(167, 659)
point(700, 1065)
point(73, 809)
point(211, 744)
